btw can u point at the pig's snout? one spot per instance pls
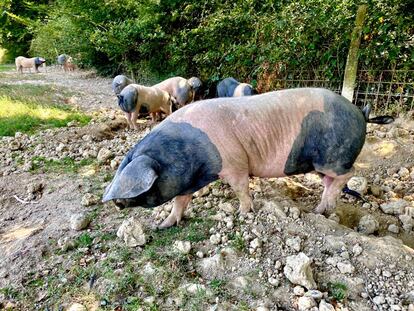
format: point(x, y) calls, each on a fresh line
point(120, 203)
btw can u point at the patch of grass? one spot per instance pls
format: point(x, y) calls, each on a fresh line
point(67, 164)
point(6, 67)
point(28, 108)
point(10, 292)
point(84, 240)
point(338, 290)
point(238, 243)
point(217, 285)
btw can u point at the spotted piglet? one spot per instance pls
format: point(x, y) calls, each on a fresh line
point(275, 134)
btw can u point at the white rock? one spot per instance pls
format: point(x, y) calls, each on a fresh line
point(194, 289)
point(395, 207)
point(294, 243)
point(345, 267)
point(217, 266)
point(357, 250)
point(403, 172)
point(324, 306)
point(393, 228)
point(227, 207)
point(315, 294)
point(358, 184)
point(200, 254)
point(407, 222)
point(273, 281)
point(298, 270)
point(305, 303)
point(77, 307)
point(256, 243)
point(215, 239)
point(132, 233)
point(379, 300)
point(368, 224)
point(104, 155)
point(89, 199)
point(79, 221)
point(183, 247)
point(298, 290)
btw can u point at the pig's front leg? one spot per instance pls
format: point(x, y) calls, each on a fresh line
point(128, 118)
point(134, 118)
point(333, 187)
point(177, 212)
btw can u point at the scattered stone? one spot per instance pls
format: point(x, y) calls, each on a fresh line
point(183, 247)
point(306, 303)
point(256, 243)
point(65, 244)
point(395, 207)
point(89, 199)
point(368, 224)
point(104, 155)
point(379, 300)
point(407, 222)
point(393, 228)
point(77, 307)
point(357, 250)
point(298, 270)
point(324, 306)
point(298, 290)
point(404, 172)
point(132, 233)
point(334, 217)
point(79, 221)
point(315, 294)
point(358, 184)
point(274, 282)
point(200, 254)
point(294, 243)
point(227, 207)
point(218, 265)
point(345, 267)
point(215, 239)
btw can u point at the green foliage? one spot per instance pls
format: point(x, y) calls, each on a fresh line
point(338, 291)
point(250, 40)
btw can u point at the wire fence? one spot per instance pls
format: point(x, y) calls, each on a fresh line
point(386, 90)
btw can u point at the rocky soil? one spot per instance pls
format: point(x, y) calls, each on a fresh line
point(64, 250)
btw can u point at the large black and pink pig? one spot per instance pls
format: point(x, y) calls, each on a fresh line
point(275, 134)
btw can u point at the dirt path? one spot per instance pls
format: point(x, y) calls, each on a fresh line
point(234, 262)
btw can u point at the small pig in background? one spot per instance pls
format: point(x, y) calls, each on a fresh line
point(119, 83)
point(230, 87)
point(179, 88)
point(34, 62)
point(275, 134)
point(134, 97)
point(196, 85)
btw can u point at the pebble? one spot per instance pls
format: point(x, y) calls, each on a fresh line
point(273, 281)
point(79, 221)
point(345, 267)
point(368, 224)
point(393, 228)
point(215, 238)
point(132, 233)
point(379, 300)
point(183, 247)
point(305, 303)
point(357, 250)
point(294, 243)
point(298, 290)
point(324, 306)
point(89, 199)
point(298, 270)
point(77, 307)
point(315, 294)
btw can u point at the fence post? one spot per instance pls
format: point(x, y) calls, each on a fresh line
point(352, 60)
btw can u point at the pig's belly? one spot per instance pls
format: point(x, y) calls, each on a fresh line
point(270, 167)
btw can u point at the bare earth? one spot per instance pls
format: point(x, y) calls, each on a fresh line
point(247, 254)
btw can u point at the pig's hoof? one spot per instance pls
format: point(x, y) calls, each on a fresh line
point(170, 221)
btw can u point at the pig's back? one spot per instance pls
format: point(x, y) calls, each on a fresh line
point(266, 133)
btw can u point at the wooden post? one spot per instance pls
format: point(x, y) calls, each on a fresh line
point(352, 60)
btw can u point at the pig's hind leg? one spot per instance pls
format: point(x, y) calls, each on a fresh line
point(239, 182)
point(333, 186)
point(180, 204)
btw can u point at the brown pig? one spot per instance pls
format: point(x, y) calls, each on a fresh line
point(275, 134)
point(134, 97)
point(179, 88)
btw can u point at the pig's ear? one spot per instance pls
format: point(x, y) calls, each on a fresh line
point(136, 178)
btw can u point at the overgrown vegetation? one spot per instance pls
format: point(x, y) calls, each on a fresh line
point(28, 108)
point(250, 40)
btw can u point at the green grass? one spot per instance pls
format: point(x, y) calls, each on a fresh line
point(28, 108)
point(338, 291)
point(66, 165)
point(7, 67)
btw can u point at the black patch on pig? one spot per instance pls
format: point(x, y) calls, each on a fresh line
point(329, 140)
point(37, 61)
point(226, 87)
point(127, 100)
point(187, 160)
